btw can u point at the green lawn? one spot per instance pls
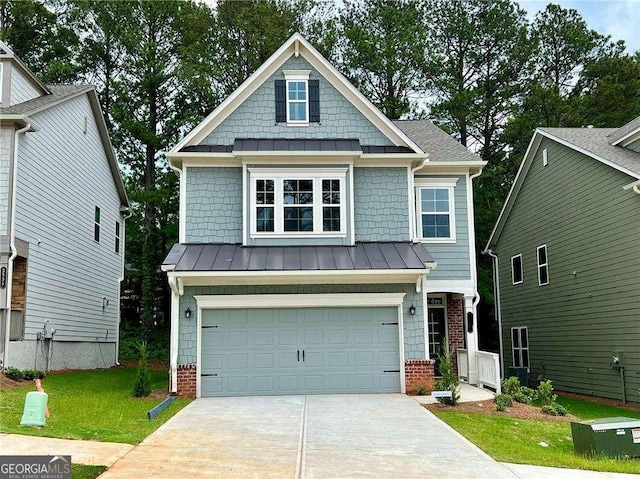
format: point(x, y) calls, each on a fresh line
point(518, 441)
point(94, 404)
point(80, 471)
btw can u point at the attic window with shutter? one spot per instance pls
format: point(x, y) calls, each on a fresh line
point(297, 98)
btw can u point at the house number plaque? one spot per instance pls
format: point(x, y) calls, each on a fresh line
point(3, 277)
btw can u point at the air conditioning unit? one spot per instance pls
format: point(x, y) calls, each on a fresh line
point(521, 373)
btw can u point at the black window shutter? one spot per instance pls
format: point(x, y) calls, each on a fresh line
point(314, 101)
point(281, 101)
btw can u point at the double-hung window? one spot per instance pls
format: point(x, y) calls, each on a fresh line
point(543, 266)
point(520, 346)
point(298, 203)
point(435, 209)
point(297, 96)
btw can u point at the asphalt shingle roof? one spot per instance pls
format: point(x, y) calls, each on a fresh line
point(436, 142)
point(597, 141)
point(624, 130)
point(58, 93)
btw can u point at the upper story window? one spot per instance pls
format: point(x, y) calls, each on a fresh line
point(297, 98)
point(117, 238)
point(96, 224)
point(435, 209)
point(516, 269)
point(298, 204)
point(543, 266)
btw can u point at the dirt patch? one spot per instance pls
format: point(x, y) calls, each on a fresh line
point(155, 365)
point(159, 394)
point(635, 407)
point(517, 411)
point(7, 383)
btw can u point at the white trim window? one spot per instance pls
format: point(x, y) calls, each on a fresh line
point(517, 275)
point(297, 96)
point(520, 346)
point(435, 207)
point(96, 224)
point(117, 238)
point(298, 203)
point(543, 265)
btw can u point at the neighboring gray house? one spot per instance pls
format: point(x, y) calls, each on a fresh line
point(566, 250)
point(62, 203)
point(323, 248)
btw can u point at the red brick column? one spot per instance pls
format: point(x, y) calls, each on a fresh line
point(455, 326)
point(187, 380)
point(419, 372)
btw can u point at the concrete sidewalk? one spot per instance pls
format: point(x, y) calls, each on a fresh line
point(92, 453)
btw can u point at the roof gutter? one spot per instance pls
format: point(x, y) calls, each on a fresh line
point(635, 186)
point(12, 242)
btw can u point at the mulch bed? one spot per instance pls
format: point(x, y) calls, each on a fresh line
point(6, 383)
point(517, 411)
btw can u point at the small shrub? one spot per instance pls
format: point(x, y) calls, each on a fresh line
point(503, 401)
point(142, 383)
point(422, 391)
point(449, 381)
point(545, 393)
point(511, 386)
point(31, 374)
point(554, 409)
point(14, 373)
point(525, 395)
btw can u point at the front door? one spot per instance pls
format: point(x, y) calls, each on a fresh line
point(437, 335)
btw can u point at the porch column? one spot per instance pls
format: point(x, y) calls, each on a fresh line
point(471, 332)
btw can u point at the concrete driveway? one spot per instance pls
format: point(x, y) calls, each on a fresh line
point(335, 436)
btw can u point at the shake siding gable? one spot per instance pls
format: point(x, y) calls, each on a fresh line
point(21, 88)
point(255, 118)
point(6, 140)
point(590, 308)
point(63, 174)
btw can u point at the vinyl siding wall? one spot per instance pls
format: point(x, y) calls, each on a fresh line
point(63, 174)
point(255, 118)
point(591, 306)
point(21, 88)
point(453, 258)
point(413, 325)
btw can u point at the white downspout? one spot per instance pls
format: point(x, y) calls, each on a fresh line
point(173, 343)
point(12, 241)
point(412, 201)
point(498, 309)
point(120, 280)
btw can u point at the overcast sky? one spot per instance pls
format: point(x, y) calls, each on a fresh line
point(618, 18)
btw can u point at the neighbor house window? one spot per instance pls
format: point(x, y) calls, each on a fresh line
point(435, 209)
point(297, 95)
point(117, 245)
point(516, 269)
point(310, 203)
point(545, 157)
point(543, 266)
point(96, 224)
point(520, 347)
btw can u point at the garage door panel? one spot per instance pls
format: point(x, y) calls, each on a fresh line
point(260, 351)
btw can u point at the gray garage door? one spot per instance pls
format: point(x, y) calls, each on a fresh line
point(248, 352)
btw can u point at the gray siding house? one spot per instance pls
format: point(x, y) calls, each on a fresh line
point(566, 251)
point(62, 203)
point(323, 248)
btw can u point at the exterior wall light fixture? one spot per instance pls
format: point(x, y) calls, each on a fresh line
point(412, 310)
point(187, 313)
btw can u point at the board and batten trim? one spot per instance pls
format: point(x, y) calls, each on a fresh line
point(331, 300)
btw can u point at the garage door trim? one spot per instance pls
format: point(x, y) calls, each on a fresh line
point(258, 301)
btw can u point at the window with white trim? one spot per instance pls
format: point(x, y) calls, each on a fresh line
point(543, 265)
point(516, 269)
point(298, 203)
point(435, 209)
point(117, 238)
point(520, 346)
point(96, 224)
point(297, 96)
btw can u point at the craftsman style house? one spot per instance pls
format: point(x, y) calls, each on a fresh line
point(566, 250)
point(61, 225)
point(323, 247)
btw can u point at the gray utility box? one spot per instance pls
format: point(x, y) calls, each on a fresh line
point(611, 437)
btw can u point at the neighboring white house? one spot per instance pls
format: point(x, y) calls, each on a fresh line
point(62, 211)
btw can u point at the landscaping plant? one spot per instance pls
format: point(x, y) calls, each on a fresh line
point(142, 384)
point(525, 395)
point(503, 401)
point(449, 381)
point(422, 390)
point(25, 374)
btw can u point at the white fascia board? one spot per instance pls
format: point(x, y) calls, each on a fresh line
point(456, 286)
point(302, 160)
point(167, 267)
point(296, 154)
point(589, 153)
point(453, 164)
point(515, 188)
point(334, 300)
point(20, 120)
point(630, 137)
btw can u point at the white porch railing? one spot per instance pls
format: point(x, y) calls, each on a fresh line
point(487, 365)
point(463, 364)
